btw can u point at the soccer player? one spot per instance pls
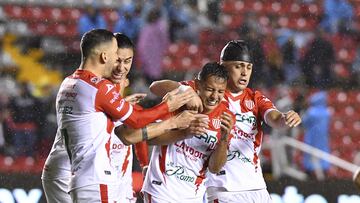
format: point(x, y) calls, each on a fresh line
point(86, 105)
point(178, 166)
point(241, 178)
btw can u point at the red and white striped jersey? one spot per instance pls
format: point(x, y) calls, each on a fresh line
point(177, 171)
point(87, 107)
point(242, 170)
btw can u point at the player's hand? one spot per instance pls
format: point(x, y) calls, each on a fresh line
point(292, 119)
point(195, 103)
point(176, 99)
point(227, 123)
point(184, 119)
point(135, 98)
point(198, 126)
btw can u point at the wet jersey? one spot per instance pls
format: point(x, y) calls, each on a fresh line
point(242, 170)
point(177, 171)
point(86, 108)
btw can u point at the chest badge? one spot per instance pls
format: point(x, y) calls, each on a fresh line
point(249, 104)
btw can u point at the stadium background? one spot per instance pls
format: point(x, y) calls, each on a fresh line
point(298, 49)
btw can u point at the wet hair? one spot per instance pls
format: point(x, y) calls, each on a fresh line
point(213, 69)
point(123, 41)
point(236, 50)
point(94, 38)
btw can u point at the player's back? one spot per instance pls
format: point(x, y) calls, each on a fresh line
point(85, 129)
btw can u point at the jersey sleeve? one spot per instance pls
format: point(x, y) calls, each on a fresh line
point(109, 101)
point(142, 153)
point(264, 104)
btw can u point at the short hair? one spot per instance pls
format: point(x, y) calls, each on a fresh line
point(94, 38)
point(213, 69)
point(124, 41)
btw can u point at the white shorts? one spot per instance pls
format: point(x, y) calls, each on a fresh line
point(57, 190)
point(261, 196)
point(148, 198)
point(100, 193)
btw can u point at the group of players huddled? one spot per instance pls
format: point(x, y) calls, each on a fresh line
point(206, 133)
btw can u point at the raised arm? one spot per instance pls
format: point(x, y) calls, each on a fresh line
point(219, 156)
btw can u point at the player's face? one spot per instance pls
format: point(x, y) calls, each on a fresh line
point(125, 58)
point(239, 75)
point(211, 92)
point(111, 58)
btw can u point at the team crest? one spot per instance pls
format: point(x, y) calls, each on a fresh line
point(249, 104)
point(216, 123)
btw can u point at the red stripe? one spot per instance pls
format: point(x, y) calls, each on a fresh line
point(149, 197)
point(126, 161)
point(216, 201)
point(104, 193)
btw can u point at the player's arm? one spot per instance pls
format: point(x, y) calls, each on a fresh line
point(277, 119)
point(117, 108)
point(161, 87)
point(197, 126)
point(131, 136)
point(219, 156)
point(142, 153)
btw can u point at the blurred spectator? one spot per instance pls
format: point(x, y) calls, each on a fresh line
point(152, 45)
point(316, 125)
point(290, 61)
point(213, 10)
point(178, 20)
point(318, 61)
point(23, 122)
point(255, 45)
point(129, 21)
point(91, 19)
point(274, 61)
point(195, 22)
point(337, 12)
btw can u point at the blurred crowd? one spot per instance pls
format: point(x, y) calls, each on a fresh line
point(285, 59)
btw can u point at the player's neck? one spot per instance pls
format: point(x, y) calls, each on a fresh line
point(93, 67)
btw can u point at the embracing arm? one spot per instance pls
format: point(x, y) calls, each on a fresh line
point(161, 87)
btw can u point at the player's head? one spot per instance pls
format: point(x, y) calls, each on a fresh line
point(235, 56)
point(125, 55)
point(100, 46)
point(211, 84)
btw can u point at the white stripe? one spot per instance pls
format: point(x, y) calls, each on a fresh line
point(266, 112)
point(127, 115)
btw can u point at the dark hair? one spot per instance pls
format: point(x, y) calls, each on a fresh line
point(236, 50)
point(213, 69)
point(94, 38)
point(124, 41)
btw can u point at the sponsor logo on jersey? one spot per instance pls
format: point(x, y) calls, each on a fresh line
point(237, 154)
point(65, 110)
point(249, 104)
point(118, 146)
point(179, 172)
point(109, 88)
point(239, 134)
point(121, 105)
point(116, 97)
point(209, 139)
point(250, 118)
point(156, 182)
point(95, 80)
point(216, 123)
point(183, 147)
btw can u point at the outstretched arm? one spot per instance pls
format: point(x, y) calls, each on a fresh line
point(276, 119)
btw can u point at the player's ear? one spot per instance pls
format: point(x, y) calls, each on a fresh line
point(103, 57)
